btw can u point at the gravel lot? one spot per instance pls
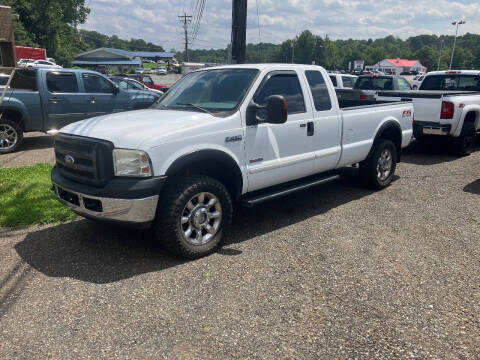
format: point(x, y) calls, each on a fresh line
point(336, 272)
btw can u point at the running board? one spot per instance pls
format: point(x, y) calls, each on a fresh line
point(250, 202)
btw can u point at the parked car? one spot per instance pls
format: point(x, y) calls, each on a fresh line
point(41, 64)
point(247, 133)
point(147, 81)
point(22, 62)
point(342, 81)
point(139, 70)
point(131, 84)
point(46, 99)
point(161, 71)
point(417, 81)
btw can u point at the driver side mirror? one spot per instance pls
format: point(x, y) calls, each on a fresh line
point(276, 111)
point(116, 89)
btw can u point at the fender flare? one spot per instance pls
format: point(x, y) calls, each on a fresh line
point(466, 110)
point(387, 125)
point(221, 160)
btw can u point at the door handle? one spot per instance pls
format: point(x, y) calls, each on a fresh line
point(54, 100)
point(92, 100)
point(310, 128)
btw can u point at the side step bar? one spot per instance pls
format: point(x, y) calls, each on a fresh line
point(250, 202)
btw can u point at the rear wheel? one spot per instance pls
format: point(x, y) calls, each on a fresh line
point(378, 169)
point(192, 216)
point(463, 145)
point(11, 135)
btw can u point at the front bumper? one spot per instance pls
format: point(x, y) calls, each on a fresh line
point(131, 201)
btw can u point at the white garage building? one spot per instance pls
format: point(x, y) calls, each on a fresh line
point(397, 66)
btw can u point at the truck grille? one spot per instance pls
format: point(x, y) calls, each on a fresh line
point(84, 160)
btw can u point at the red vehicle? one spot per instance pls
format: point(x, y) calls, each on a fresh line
point(147, 81)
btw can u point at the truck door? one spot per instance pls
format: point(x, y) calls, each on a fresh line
point(64, 102)
point(277, 153)
point(100, 95)
point(327, 123)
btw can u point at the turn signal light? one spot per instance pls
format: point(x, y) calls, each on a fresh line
point(363, 97)
point(447, 110)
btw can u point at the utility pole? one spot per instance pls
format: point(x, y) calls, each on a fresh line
point(185, 19)
point(239, 31)
point(460, 22)
point(440, 56)
point(292, 44)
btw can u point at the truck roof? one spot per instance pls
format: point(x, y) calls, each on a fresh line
point(454, 72)
point(264, 67)
point(62, 69)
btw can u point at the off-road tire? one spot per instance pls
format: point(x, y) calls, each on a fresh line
point(369, 168)
point(463, 145)
point(171, 206)
point(4, 123)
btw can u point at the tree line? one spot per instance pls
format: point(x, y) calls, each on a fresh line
point(53, 24)
point(337, 54)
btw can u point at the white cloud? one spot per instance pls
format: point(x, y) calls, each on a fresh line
point(157, 20)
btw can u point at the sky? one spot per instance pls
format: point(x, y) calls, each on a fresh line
point(157, 20)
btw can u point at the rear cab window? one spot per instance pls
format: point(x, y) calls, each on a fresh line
point(62, 82)
point(320, 94)
point(451, 82)
point(374, 83)
point(334, 80)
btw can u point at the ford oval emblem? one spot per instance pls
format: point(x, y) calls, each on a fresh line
point(69, 159)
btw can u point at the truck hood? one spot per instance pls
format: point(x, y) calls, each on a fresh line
point(130, 129)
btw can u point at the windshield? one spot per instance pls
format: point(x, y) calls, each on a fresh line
point(136, 85)
point(451, 82)
point(374, 83)
point(211, 90)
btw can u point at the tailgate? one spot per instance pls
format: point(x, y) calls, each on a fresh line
point(427, 109)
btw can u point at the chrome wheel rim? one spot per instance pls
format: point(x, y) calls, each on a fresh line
point(8, 137)
point(384, 165)
point(201, 218)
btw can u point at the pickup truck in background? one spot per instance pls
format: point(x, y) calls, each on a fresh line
point(342, 81)
point(246, 133)
point(47, 99)
point(447, 104)
point(367, 86)
point(147, 81)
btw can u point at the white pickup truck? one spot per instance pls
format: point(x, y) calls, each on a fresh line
point(246, 133)
point(446, 105)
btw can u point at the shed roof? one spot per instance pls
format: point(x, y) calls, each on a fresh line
point(130, 54)
point(402, 62)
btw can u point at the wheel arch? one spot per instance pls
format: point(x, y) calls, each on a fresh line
point(209, 162)
point(13, 114)
point(389, 130)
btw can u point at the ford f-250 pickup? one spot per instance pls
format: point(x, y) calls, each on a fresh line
point(447, 105)
point(47, 99)
point(245, 132)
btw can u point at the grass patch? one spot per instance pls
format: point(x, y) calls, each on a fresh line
point(26, 198)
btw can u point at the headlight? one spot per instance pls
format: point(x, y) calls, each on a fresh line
point(131, 163)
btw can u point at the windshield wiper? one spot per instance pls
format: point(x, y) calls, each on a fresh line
point(195, 106)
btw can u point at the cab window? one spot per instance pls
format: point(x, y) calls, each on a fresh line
point(96, 84)
point(62, 82)
point(403, 84)
point(287, 85)
point(321, 97)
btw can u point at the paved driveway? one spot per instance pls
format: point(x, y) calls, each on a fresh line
point(338, 272)
point(36, 148)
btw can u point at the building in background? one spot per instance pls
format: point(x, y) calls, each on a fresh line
point(398, 66)
point(7, 42)
point(116, 59)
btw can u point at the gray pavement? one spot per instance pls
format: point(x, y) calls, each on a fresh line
point(36, 148)
point(337, 272)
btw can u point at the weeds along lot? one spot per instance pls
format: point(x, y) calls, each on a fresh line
point(336, 272)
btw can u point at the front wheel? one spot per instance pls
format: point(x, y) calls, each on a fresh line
point(11, 135)
point(378, 169)
point(192, 215)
